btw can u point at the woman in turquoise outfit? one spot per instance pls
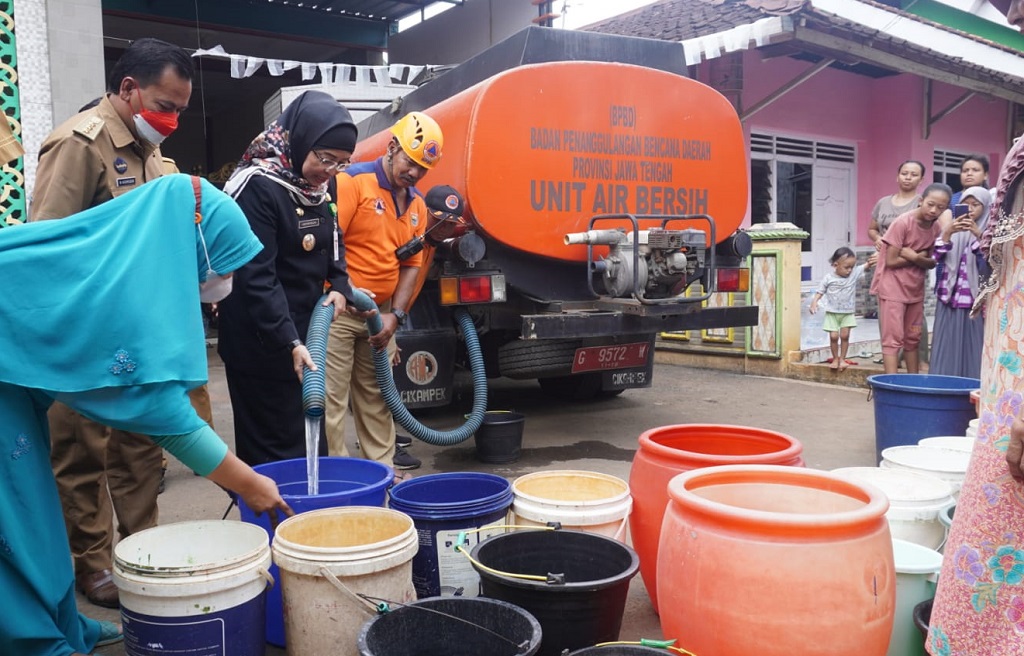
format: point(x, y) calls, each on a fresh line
point(101, 311)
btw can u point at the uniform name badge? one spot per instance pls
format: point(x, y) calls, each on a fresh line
point(337, 253)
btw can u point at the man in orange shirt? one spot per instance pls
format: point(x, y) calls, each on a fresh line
point(379, 210)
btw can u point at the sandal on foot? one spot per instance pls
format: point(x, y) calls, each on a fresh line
point(401, 476)
point(110, 634)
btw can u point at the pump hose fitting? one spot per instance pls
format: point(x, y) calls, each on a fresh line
point(314, 389)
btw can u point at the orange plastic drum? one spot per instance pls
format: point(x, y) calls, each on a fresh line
point(776, 561)
point(669, 450)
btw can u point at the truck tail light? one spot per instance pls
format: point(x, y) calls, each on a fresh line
point(733, 280)
point(485, 288)
point(475, 289)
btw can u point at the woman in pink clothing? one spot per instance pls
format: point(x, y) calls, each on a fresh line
point(905, 256)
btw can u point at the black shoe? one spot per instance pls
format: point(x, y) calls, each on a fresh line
point(403, 441)
point(403, 460)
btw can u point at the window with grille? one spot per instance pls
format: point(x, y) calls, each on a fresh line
point(781, 170)
point(946, 167)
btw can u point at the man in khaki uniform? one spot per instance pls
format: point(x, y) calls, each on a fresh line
point(94, 156)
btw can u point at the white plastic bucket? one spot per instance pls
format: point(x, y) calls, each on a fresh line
point(958, 442)
point(327, 558)
point(916, 567)
point(915, 501)
point(948, 464)
point(194, 587)
point(972, 428)
point(946, 519)
point(579, 500)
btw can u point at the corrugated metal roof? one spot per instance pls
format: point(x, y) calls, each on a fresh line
point(676, 20)
point(893, 38)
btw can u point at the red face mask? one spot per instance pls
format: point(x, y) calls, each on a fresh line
point(152, 126)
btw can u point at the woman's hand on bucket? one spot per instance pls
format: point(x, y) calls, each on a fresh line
point(265, 497)
point(259, 492)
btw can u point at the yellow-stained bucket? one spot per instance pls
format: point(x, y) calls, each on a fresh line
point(327, 558)
point(580, 500)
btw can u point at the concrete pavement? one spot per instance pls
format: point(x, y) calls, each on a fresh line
point(835, 424)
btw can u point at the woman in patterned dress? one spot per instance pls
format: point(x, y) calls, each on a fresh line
point(979, 605)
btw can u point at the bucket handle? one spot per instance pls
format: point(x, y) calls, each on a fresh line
point(552, 579)
point(344, 589)
point(265, 573)
point(871, 394)
point(621, 533)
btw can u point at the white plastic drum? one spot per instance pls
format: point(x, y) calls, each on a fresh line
point(960, 443)
point(916, 568)
point(948, 464)
point(915, 501)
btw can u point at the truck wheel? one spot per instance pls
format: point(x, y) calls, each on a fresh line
point(537, 358)
point(581, 387)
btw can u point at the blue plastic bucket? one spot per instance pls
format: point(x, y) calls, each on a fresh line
point(442, 506)
point(343, 482)
point(909, 407)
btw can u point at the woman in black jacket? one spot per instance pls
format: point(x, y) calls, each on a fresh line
point(284, 183)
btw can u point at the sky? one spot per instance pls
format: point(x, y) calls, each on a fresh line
point(575, 13)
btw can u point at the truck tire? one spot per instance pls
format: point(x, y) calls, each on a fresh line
point(537, 358)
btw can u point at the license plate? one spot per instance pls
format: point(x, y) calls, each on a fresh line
point(613, 356)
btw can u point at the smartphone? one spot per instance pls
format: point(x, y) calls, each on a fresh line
point(959, 210)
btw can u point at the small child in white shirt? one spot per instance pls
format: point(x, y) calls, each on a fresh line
point(839, 289)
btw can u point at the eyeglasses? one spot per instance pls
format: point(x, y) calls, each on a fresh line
point(329, 164)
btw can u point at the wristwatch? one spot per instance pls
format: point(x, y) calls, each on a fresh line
point(401, 316)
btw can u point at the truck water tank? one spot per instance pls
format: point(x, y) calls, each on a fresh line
point(538, 150)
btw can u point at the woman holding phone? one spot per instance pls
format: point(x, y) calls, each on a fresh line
point(957, 337)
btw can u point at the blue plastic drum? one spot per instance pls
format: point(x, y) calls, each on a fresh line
point(909, 407)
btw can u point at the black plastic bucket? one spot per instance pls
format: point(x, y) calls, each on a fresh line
point(587, 608)
point(500, 437)
point(922, 617)
point(452, 626)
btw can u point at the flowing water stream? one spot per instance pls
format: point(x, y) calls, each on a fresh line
point(312, 455)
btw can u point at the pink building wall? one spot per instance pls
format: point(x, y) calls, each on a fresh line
point(882, 117)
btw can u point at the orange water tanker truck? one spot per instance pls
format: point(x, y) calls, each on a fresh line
point(604, 193)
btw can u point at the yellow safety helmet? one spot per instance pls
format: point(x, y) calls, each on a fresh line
point(420, 137)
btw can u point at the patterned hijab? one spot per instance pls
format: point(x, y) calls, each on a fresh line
point(1004, 226)
point(313, 119)
point(960, 242)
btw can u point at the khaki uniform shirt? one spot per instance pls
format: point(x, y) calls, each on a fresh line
point(89, 159)
point(10, 147)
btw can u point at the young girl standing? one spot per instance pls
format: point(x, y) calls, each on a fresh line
point(839, 289)
point(906, 255)
point(958, 337)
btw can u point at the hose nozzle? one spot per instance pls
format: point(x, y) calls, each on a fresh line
point(606, 237)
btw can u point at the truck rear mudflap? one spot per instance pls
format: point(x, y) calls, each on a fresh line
point(610, 317)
